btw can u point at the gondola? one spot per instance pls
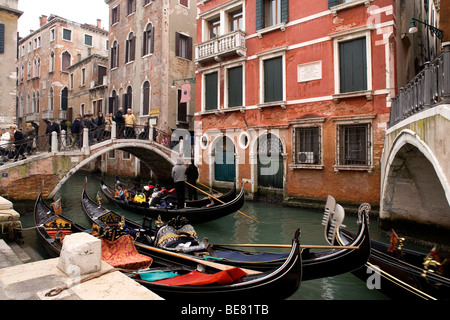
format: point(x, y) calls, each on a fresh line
point(402, 273)
point(276, 284)
point(230, 195)
point(194, 215)
point(51, 228)
point(325, 263)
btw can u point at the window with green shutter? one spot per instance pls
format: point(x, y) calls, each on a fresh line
point(211, 91)
point(2, 38)
point(353, 65)
point(273, 79)
point(235, 87)
point(271, 12)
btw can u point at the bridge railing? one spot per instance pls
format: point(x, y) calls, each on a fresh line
point(428, 88)
point(67, 141)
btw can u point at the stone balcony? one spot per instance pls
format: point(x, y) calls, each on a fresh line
point(220, 47)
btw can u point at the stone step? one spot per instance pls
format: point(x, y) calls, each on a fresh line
point(8, 258)
point(20, 252)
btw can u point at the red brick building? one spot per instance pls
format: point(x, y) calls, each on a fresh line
point(294, 99)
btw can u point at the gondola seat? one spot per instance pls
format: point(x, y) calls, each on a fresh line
point(122, 253)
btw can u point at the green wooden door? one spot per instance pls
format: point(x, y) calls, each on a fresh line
point(225, 162)
point(270, 162)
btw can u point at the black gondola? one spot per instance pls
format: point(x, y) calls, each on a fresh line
point(402, 273)
point(51, 228)
point(276, 284)
point(325, 263)
point(194, 215)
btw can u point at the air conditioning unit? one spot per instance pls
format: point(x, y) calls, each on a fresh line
point(305, 157)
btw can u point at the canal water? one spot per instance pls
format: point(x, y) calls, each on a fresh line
point(276, 225)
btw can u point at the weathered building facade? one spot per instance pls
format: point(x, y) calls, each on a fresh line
point(294, 100)
point(44, 65)
point(9, 14)
point(150, 56)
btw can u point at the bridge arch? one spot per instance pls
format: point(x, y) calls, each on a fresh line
point(155, 156)
point(414, 184)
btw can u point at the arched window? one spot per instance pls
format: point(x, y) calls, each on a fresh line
point(33, 103)
point(128, 99)
point(37, 102)
point(148, 40)
point(66, 61)
point(64, 96)
point(115, 55)
point(130, 47)
point(146, 98)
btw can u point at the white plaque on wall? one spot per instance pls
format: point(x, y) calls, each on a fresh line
point(309, 71)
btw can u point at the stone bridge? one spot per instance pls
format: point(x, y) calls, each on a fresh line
point(22, 180)
point(415, 166)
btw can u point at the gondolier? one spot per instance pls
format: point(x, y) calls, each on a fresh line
point(179, 176)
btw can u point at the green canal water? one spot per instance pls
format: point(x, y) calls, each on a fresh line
point(276, 225)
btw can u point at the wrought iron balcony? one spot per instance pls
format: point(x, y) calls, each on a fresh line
point(429, 88)
point(220, 47)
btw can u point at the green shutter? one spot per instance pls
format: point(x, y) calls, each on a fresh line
point(211, 91)
point(284, 10)
point(235, 87)
point(2, 38)
point(332, 3)
point(353, 65)
point(260, 15)
point(273, 80)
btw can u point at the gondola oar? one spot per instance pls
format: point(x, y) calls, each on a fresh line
point(215, 265)
point(218, 200)
point(287, 246)
point(204, 185)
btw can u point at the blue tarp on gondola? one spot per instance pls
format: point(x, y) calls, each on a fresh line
point(257, 257)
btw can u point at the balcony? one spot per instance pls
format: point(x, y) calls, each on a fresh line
point(32, 117)
point(220, 47)
point(47, 114)
point(429, 88)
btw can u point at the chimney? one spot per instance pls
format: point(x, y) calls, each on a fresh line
point(42, 20)
point(99, 23)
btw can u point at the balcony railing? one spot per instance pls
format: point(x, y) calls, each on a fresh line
point(34, 116)
point(231, 43)
point(429, 88)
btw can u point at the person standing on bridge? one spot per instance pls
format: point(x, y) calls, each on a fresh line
point(19, 143)
point(130, 121)
point(179, 176)
point(52, 126)
point(120, 121)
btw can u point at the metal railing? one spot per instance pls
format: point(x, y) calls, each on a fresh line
point(429, 88)
point(67, 141)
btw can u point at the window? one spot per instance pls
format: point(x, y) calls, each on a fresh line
point(50, 99)
point(236, 20)
point(182, 108)
point(115, 15)
point(83, 76)
point(67, 34)
point(214, 28)
point(235, 87)
point(271, 12)
point(115, 55)
point(112, 154)
point(307, 145)
point(127, 99)
point(52, 62)
point(146, 98)
point(332, 3)
point(183, 46)
point(126, 155)
point(354, 144)
point(146, 2)
point(184, 3)
point(37, 102)
point(88, 40)
point(148, 40)
point(211, 91)
point(64, 98)
point(353, 65)
point(113, 105)
point(131, 7)
point(52, 34)
point(66, 61)
point(130, 47)
point(71, 81)
point(273, 79)
point(2, 38)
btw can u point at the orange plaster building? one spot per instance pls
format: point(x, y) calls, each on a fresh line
point(293, 100)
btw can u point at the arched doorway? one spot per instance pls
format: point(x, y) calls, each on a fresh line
point(225, 160)
point(270, 161)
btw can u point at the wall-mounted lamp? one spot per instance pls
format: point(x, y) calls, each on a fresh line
point(434, 31)
point(191, 80)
